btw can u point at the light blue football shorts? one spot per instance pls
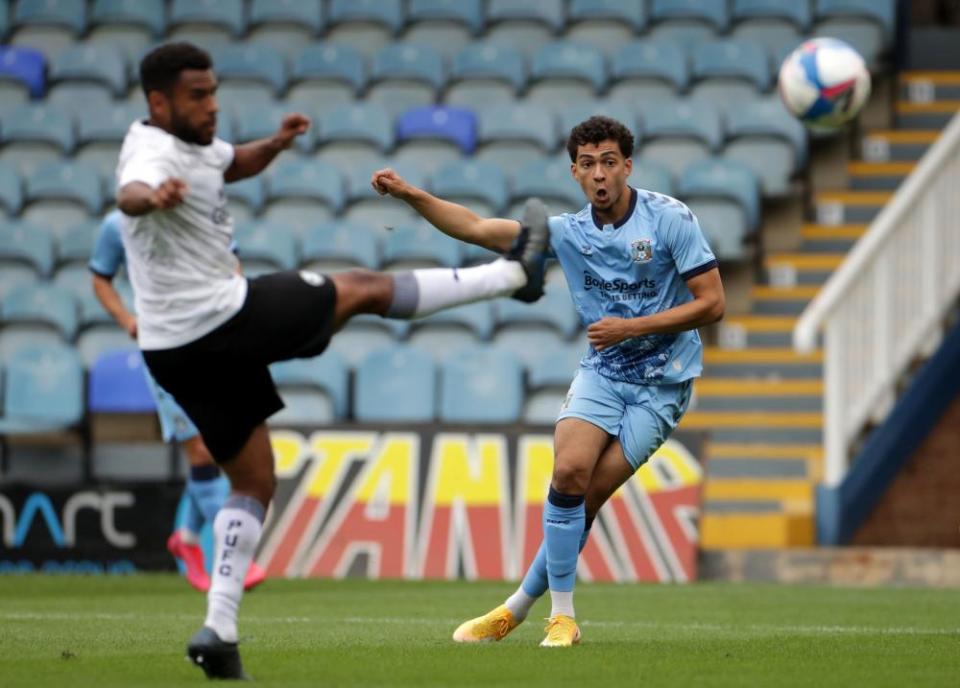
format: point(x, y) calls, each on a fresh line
point(640, 416)
point(174, 422)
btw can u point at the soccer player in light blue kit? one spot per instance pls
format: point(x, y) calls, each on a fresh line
point(643, 279)
point(206, 488)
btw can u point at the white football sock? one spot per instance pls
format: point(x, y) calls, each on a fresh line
point(236, 532)
point(421, 292)
point(519, 604)
point(562, 603)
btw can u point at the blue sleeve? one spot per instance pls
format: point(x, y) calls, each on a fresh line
point(688, 246)
point(107, 255)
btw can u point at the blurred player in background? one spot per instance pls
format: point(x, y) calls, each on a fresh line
point(206, 489)
point(208, 335)
point(642, 278)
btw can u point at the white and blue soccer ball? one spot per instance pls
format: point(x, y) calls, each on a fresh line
point(824, 82)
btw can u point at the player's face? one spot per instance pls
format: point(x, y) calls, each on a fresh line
point(193, 106)
point(602, 171)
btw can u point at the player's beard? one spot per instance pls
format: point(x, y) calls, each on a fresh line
point(181, 128)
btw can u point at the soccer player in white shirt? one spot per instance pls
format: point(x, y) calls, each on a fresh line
point(208, 334)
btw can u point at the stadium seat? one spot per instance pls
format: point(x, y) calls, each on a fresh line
point(248, 73)
point(287, 26)
point(481, 185)
point(510, 135)
point(367, 24)
point(76, 243)
point(444, 25)
point(446, 332)
point(435, 135)
point(653, 176)
point(117, 383)
point(563, 72)
point(725, 197)
point(548, 379)
point(27, 245)
point(689, 22)
point(648, 71)
point(366, 333)
point(43, 390)
point(573, 114)
point(483, 74)
point(338, 245)
point(75, 278)
point(679, 133)
point(34, 134)
point(729, 72)
point(527, 25)
point(390, 374)
point(22, 75)
point(314, 390)
point(404, 76)
point(365, 206)
point(550, 179)
point(262, 121)
point(324, 76)
point(767, 139)
point(477, 255)
point(131, 26)
point(355, 134)
point(100, 133)
point(867, 25)
point(11, 190)
point(207, 23)
point(771, 23)
point(481, 385)
point(97, 340)
point(36, 314)
point(15, 275)
point(246, 198)
point(554, 310)
point(61, 194)
point(419, 246)
point(605, 24)
point(87, 76)
point(51, 26)
point(267, 247)
point(302, 193)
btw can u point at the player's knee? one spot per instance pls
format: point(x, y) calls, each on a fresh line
point(368, 291)
point(570, 479)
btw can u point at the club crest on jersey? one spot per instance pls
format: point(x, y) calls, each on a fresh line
point(641, 250)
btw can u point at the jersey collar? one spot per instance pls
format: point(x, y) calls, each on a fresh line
point(623, 220)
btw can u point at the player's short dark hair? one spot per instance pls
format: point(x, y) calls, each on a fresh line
point(596, 129)
point(161, 67)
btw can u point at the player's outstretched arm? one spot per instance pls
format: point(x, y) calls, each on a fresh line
point(139, 198)
point(250, 159)
point(452, 219)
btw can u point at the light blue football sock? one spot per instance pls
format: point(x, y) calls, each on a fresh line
point(535, 582)
point(564, 518)
point(192, 519)
point(208, 489)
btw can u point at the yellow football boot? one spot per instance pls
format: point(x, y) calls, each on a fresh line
point(562, 631)
point(494, 625)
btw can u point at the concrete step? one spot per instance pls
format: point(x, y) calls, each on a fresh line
point(751, 468)
point(777, 363)
point(769, 427)
point(782, 300)
point(926, 87)
point(756, 530)
point(878, 176)
point(791, 269)
point(736, 394)
point(830, 239)
point(846, 207)
point(742, 331)
point(933, 115)
point(790, 493)
point(884, 145)
point(743, 455)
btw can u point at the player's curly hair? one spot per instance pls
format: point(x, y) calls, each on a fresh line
point(596, 129)
point(161, 67)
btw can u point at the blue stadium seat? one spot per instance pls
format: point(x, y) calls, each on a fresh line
point(456, 125)
point(573, 114)
point(262, 121)
point(652, 176)
point(98, 339)
point(314, 389)
point(512, 134)
point(365, 206)
point(248, 73)
point(355, 134)
point(605, 23)
point(87, 75)
point(555, 368)
point(797, 12)
point(325, 75)
point(554, 310)
point(446, 332)
point(22, 74)
point(338, 245)
point(364, 334)
point(206, 22)
point(393, 373)
point(725, 197)
point(769, 140)
point(76, 244)
point(66, 181)
point(688, 21)
point(404, 76)
point(130, 26)
point(563, 72)
point(483, 186)
point(33, 134)
point(117, 383)
point(483, 74)
point(43, 390)
point(11, 191)
point(444, 25)
point(270, 247)
point(481, 385)
point(730, 72)
point(478, 255)
point(100, 133)
point(648, 71)
point(14, 276)
point(51, 26)
point(368, 25)
point(246, 197)
point(771, 23)
point(867, 25)
point(678, 133)
point(527, 25)
point(302, 193)
point(25, 244)
point(41, 312)
point(419, 246)
point(550, 179)
point(287, 26)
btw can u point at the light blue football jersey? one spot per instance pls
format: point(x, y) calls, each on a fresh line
point(635, 267)
point(108, 255)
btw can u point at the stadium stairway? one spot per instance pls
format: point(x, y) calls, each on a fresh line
point(759, 402)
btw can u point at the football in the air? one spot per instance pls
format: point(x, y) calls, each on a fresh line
point(824, 82)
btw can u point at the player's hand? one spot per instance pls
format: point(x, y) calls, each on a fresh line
point(169, 194)
point(293, 125)
point(608, 331)
point(387, 181)
point(130, 326)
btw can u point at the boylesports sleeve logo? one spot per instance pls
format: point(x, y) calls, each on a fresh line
point(621, 289)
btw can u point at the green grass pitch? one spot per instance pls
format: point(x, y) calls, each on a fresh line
point(105, 632)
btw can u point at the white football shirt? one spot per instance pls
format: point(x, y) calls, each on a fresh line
point(181, 266)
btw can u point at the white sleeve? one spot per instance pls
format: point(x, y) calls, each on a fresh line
point(224, 152)
point(148, 167)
